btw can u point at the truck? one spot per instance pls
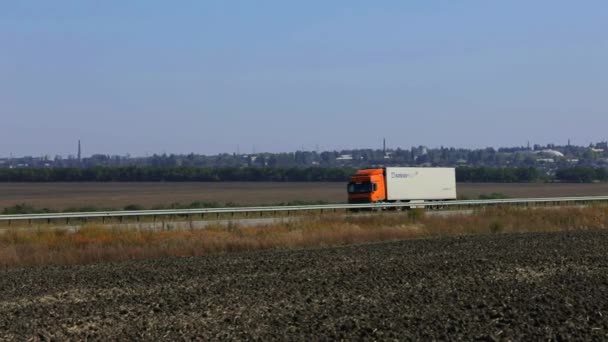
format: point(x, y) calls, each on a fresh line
point(402, 184)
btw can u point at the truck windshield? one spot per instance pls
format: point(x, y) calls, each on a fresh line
point(359, 188)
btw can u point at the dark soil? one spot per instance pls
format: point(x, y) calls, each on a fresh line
point(494, 287)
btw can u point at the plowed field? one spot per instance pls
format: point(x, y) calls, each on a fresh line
point(59, 196)
point(515, 286)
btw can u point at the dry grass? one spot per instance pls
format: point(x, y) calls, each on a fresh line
point(99, 243)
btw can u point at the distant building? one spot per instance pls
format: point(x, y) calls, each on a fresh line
point(552, 153)
point(602, 145)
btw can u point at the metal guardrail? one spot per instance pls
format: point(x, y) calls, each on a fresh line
point(203, 211)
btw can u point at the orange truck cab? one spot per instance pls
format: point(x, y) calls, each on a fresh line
point(367, 186)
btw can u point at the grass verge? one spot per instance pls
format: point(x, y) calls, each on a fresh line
point(25, 208)
point(96, 243)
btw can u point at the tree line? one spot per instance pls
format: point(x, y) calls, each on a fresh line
point(175, 174)
point(277, 174)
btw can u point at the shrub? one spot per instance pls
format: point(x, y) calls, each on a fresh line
point(133, 207)
point(23, 208)
point(494, 195)
point(496, 226)
point(415, 214)
point(82, 209)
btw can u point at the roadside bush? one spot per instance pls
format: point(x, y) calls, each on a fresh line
point(23, 208)
point(415, 214)
point(133, 207)
point(83, 209)
point(496, 226)
point(494, 195)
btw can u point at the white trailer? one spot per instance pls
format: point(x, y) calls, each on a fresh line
point(420, 183)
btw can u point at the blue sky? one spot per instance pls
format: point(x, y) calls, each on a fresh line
point(145, 77)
